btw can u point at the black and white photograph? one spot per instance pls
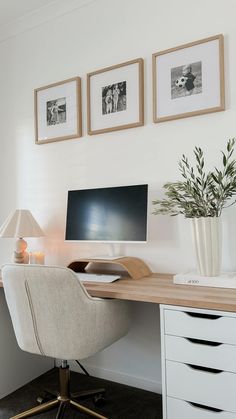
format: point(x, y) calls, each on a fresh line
point(186, 80)
point(56, 111)
point(114, 98)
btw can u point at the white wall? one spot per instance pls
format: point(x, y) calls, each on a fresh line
point(99, 34)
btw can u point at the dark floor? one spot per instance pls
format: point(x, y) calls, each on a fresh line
point(122, 402)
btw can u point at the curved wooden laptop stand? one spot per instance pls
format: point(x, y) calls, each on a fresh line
point(135, 267)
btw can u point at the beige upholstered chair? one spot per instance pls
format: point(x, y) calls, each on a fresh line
point(54, 316)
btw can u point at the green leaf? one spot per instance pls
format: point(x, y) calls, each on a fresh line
point(204, 195)
point(224, 159)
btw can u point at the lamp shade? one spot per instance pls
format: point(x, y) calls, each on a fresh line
point(20, 223)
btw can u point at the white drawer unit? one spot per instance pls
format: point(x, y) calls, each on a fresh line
point(198, 363)
point(180, 409)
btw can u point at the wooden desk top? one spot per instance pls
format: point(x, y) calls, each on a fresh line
point(159, 289)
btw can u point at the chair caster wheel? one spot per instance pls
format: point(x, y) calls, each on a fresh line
point(44, 397)
point(99, 400)
point(40, 400)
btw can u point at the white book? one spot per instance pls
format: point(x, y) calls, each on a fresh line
point(225, 280)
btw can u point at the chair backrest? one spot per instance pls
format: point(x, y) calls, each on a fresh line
point(53, 315)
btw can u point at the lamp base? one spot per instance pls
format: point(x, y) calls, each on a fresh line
point(21, 257)
point(20, 253)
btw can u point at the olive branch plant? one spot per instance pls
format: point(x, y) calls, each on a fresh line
point(200, 194)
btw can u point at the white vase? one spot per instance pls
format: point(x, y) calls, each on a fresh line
point(207, 241)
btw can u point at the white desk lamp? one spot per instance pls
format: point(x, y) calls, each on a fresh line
point(21, 223)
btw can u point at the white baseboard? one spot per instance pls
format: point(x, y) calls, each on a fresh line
point(120, 377)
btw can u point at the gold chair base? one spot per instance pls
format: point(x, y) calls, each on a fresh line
point(86, 410)
point(63, 401)
point(36, 410)
point(57, 403)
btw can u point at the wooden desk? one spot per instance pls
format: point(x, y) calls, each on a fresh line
point(143, 285)
point(159, 289)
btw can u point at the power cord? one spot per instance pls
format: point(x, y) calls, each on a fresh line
point(82, 368)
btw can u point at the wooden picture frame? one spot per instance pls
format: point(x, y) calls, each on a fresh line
point(188, 80)
point(115, 97)
point(58, 114)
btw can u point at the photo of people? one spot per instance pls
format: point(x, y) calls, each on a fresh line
point(114, 98)
point(186, 80)
point(56, 111)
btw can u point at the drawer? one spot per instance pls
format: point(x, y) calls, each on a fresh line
point(204, 353)
point(180, 409)
point(210, 327)
point(210, 388)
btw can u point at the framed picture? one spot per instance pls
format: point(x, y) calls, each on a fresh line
point(115, 97)
point(58, 111)
point(189, 80)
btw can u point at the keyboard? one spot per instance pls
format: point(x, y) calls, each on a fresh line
point(88, 277)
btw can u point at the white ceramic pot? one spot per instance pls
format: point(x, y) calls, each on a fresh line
point(207, 241)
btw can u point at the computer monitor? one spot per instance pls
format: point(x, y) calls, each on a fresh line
point(113, 214)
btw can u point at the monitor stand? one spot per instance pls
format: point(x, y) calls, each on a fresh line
point(132, 266)
point(112, 254)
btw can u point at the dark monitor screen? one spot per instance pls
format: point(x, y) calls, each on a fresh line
point(115, 214)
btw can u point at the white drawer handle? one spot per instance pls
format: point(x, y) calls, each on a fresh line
point(201, 406)
point(204, 369)
point(202, 315)
point(203, 342)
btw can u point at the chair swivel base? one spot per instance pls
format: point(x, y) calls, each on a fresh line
point(97, 394)
point(64, 401)
point(62, 405)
